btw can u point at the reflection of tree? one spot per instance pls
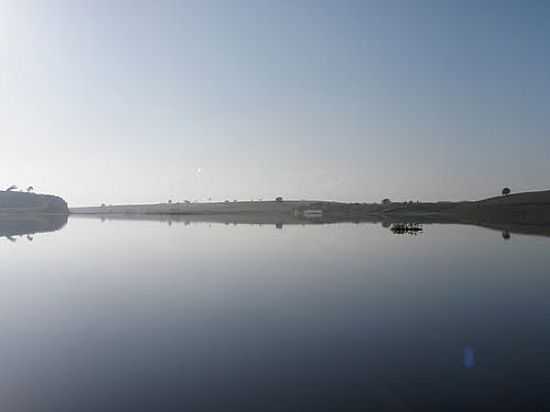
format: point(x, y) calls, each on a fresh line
point(279, 225)
point(506, 235)
point(30, 238)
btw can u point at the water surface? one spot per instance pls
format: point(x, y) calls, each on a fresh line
point(120, 315)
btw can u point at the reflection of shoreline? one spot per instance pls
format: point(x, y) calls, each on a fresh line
point(507, 229)
point(20, 224)
point(279, 221)
point(237, 219)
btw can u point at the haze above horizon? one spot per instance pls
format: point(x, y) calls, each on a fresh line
point(352, 101)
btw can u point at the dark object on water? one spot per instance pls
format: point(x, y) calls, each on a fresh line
point(402, 228)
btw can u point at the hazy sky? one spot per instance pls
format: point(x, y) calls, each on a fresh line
point(128, 101)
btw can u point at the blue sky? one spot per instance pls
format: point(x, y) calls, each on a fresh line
point(133, 101)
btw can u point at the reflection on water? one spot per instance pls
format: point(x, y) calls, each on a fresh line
point(27, 225)
point(396, 224)
point(196, 314)
point(406, 228)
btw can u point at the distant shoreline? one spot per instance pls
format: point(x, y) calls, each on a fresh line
point(519, 208)
point(199, 208)
point(527, 212)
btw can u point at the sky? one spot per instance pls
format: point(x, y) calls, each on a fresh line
point(130, 101)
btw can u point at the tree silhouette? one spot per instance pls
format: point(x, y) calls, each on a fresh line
point(11, 188)
point(30, 189)
point(506, 191)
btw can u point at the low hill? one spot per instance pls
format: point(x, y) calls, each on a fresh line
point(532, 208)
point(524, 198)
point(19, 202)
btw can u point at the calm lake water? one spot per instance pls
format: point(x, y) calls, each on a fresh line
point(142, 315)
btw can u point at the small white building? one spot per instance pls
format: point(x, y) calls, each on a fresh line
point(313, 213)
